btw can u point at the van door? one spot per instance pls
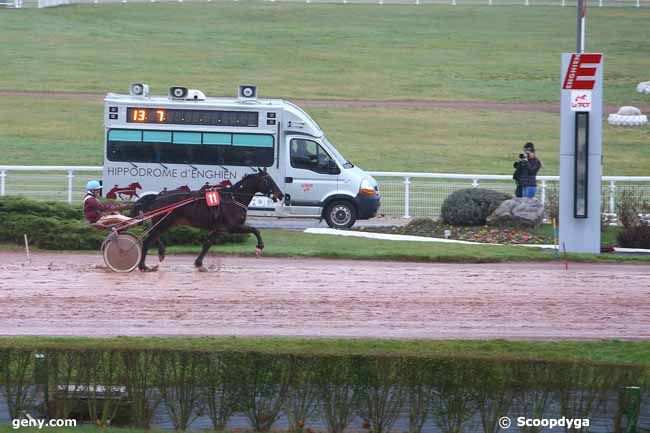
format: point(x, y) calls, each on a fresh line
point(311, 175)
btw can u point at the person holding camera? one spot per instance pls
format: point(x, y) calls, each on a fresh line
point(519, 166)
point(526, 172)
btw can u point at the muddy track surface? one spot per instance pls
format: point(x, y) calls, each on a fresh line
point(539, 107)
point(72, 294)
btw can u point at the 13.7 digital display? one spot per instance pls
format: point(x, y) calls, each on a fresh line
point(192, 117)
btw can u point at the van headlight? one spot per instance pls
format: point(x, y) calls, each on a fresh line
point(367, 188)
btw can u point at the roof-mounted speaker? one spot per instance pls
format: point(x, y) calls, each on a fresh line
point(247, 92)
point(139, 89)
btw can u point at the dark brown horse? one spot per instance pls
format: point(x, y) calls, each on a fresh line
point(228, 217)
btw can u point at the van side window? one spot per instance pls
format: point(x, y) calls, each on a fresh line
point(185, 147)
point(309, 155)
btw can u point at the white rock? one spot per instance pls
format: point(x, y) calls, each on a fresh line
point(627, 116)
point(629, 111)
point(643, 87)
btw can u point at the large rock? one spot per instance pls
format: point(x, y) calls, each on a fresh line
point(520, 212)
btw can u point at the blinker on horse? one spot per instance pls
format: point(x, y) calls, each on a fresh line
point(228, 217)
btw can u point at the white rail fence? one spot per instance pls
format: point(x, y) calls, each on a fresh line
point(592, 3)
point(404, 194)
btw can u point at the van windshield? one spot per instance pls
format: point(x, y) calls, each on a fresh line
point(340, 158)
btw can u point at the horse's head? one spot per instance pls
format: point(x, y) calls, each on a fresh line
point(135, 185)
point(261, 182)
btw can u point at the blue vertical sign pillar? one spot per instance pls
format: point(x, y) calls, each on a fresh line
point(581, 117)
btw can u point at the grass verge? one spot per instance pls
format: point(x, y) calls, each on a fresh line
point(280, 243)
point(610, 351)
point(284, 243)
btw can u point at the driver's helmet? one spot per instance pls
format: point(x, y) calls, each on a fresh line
point(93, 185)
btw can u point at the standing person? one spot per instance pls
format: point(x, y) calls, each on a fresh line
point(529, 169)
point(96, 212)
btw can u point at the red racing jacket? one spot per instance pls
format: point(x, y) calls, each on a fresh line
point(94, 209)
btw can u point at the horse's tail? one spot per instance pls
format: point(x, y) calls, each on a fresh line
point(143, 204)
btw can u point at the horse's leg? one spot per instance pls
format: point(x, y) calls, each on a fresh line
point(154, 239)
point(244, 228)
point(161, 250)
point(209, 242)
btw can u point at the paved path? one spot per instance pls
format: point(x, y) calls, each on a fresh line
point(71, 294)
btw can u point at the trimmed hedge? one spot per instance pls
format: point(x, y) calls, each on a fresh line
point(315, 391)
point(58, 226)
point(471, 206)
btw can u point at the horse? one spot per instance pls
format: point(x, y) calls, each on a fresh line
point(128, 191)
point(228, 217)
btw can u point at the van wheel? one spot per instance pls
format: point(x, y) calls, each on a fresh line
point(340, 215)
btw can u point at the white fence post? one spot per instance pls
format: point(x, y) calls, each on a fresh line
point(600, 3)
point(3, 175)
point(612, 197)
point(638, 3)
point(563, 2)
point(475, 182)
point(407, 196)
point(542, 192)
point(70, 177)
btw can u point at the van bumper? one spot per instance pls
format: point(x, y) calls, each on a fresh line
point(367, 206)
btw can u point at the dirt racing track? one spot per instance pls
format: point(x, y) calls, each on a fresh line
point(72, 294)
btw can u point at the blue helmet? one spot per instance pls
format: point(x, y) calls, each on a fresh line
point(93, 184)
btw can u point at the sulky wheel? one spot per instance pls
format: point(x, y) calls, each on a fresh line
point(122, 252)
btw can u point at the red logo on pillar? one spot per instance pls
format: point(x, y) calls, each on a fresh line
point(578, 76)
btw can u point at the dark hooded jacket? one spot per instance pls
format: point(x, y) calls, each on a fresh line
point(528, 172)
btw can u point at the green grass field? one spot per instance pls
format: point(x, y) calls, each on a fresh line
point(329, 51)
point(69, 131)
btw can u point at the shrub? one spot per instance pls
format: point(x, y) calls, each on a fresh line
point(49, 233)
point(634, 237)
point(59, 226)
point(552, 204)
point(628, 206)
point(471, 206)
point(24, 206)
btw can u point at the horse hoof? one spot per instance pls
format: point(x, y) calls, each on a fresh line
point(149, 268)
point(202, 269)
point(258, 252)
point(161, 258)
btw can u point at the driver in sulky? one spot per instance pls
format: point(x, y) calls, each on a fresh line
point(98, 213)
